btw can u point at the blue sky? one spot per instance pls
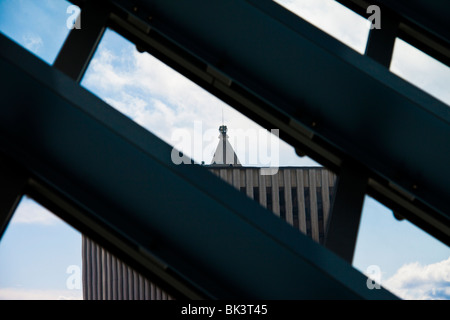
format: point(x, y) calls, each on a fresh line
point(38, 248)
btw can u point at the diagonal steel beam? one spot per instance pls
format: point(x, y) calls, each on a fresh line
point(115, 180)
point(81, 43)
point(345, 215)
point(13, 181)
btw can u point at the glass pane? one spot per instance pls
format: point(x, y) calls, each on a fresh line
point(403, 258)
point(39, 26)
point(420, 69)
point(40, 256)
point(334, 19)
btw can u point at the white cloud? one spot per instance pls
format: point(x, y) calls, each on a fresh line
point(103, 75)
point(36, 294)
point(414, 281)
point(33, 42)
point(29, 212)
point(333, 18)
point(421, 70)
point(164, 102)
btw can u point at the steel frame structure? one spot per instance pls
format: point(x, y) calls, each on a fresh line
point(114, 181)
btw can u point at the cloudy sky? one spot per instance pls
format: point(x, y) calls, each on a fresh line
point(39, 254)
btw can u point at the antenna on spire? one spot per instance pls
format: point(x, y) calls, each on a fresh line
point(223, 127)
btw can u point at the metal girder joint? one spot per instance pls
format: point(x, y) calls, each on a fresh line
point(345, 215)
point(80, 45)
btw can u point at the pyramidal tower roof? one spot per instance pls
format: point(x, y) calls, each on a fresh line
point(224, 154)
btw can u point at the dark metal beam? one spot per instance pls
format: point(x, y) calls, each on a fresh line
point(13, 180)
point(380, 45)
point(426, 42)
point(81, 44)
point(433, 42)
point(279, 83)
point(176, 222)
point(345, 214)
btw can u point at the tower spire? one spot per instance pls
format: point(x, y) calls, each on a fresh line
point(224, 154)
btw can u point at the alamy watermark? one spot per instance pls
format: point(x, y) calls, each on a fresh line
point(73, 281)
point(375, 18)
point(373, 273)
point(74, 20)
point(254, 147)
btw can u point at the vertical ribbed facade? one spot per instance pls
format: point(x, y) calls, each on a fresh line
point(300, 196)
point(107, 278)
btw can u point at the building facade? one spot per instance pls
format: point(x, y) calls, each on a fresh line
point(301, 196)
